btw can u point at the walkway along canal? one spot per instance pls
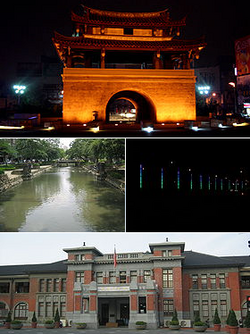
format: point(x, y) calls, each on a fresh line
point(62, 199)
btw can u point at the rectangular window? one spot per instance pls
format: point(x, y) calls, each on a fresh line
point(63, 284)
point(4, 287)
point(195, 281)
point(85, 305)
point(223, 308)
point(22, 287)
point(213, 281)
point(112, 277)
point(222, 281)
point(205, 312)
point(41, 310)
point(122, 276)
point(42, 285)
point(213, 305)
point(168, 307)
point(56, 284)
point(79, 277)
point(146, 275)
point(99, 277)
point(204, 281)
point(62, 309)
point(196, 308)
point(128, 31)
point(49, 285)
point(167, 277)
point(142, 305)
point(55, 307)
point(133, 276)
point(245, 281)
point(48, 310)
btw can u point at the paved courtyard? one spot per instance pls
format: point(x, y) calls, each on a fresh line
point(70, 330)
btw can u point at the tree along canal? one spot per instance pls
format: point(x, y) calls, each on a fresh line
point(65, 199)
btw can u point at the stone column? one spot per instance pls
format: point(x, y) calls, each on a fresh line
point(152, 305)
point(103, 54)
point(133, 304)
point(93, 305)
point(157, 60)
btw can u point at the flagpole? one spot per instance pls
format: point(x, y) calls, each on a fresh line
point(115, 261)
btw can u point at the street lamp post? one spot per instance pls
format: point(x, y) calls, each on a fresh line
point(19, 90)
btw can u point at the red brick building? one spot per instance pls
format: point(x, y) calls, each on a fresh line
point(87, 287)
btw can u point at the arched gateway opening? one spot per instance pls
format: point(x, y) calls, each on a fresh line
point(129, 106)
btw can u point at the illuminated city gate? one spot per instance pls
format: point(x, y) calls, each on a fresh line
point(157, 95)
point(137, 52)
point(130, 106)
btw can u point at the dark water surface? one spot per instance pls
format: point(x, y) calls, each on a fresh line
point(60, 200)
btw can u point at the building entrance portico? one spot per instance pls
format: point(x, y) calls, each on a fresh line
point(113, 311)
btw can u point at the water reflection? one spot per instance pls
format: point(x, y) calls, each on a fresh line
point(63, 199)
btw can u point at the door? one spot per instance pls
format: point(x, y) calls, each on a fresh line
point(124, 313)
point(104, 314)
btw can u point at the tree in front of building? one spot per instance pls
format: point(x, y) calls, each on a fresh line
point(57, 319)
point(216, 321)
point(247, 320)
point(233, 323)
point(174, 323)
point(34, 320)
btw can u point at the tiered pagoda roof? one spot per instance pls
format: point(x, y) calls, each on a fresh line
point(158, 19)
point(123, 31)
point(91, 43)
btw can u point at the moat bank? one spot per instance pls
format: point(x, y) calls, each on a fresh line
point(62, 199)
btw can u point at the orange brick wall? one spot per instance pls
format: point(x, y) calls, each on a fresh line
point(234, 284)
point(177, 276)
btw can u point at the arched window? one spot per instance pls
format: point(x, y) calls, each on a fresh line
point(3, 310)
point(21, 311)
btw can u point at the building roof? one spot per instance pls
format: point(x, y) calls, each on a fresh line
point(97, 42)
point(240, 259)
point(192, 260)
point(25, 269)
point(97, 17)
point(167, 244)
point(200, 260)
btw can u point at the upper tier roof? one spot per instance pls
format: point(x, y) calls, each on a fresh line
point(158, 19)
point(112, 44)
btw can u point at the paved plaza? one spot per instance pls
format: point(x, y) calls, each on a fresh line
point(70, 330)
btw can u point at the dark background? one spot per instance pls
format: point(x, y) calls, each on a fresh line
point(153, 209)
point(26, 27)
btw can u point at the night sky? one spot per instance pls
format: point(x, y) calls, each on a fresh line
point(26, 27)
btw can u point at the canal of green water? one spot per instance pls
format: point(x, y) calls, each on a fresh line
point(65, 199)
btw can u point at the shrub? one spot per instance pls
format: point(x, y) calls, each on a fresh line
point(57, 316)
point(140, 323)
point(247, 320)
point(228, 317)
point(34, 319)
point(48, 322)
point(16, 322)
point(175, 320)
point(8, 319)
point(232, 319)
point(216, 319)
point(198, 322)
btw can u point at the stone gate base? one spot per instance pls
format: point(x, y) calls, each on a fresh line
point(169, 94)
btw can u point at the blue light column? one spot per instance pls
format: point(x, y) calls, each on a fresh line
point(178, 178)
point(201, 182)
point(162, 178)
point(141, 168)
